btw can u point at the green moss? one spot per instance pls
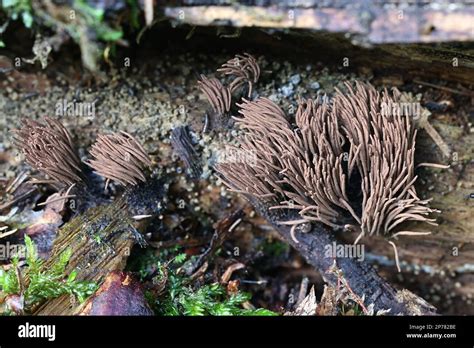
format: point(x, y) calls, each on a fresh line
point(180, 298)
point(43, 285)
point(274, 248)
point(9, 281)
point(134, 13)
point(144, 262)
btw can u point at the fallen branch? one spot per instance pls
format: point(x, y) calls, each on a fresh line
point(361, 276)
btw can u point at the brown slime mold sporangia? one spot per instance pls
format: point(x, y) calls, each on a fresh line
point(306, 167)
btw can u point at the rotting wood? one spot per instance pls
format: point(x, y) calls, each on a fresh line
point(371, 21)
point(371, 36)
point(362, 278)
point(101, 240)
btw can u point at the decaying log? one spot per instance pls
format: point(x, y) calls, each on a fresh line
point(361, 277)
point(101, 240)
point(372, 21)
point(383, 35)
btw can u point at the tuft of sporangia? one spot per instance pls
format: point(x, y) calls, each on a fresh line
point(218, 95)
point(119, 157)
point(308, 166)
point(241, 70)
point(48, 148)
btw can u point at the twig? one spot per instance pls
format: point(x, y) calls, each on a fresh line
point(60, 198)
point(341, 280)
point(222, 230)
point(433, 165)
point(17, 199)
point(6, 234)
point(148, 12)
point(12, 187)
point(435, 136)
point(447, 89)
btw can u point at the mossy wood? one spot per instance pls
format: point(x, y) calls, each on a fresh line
point(101, 240)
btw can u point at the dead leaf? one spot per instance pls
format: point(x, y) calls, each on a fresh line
point(120, 294)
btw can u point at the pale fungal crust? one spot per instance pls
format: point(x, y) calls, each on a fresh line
point(119, 157)
point(48, 148)
point(305, 167)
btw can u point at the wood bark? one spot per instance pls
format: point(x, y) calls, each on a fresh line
point(361, 276)
point(101, 240)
